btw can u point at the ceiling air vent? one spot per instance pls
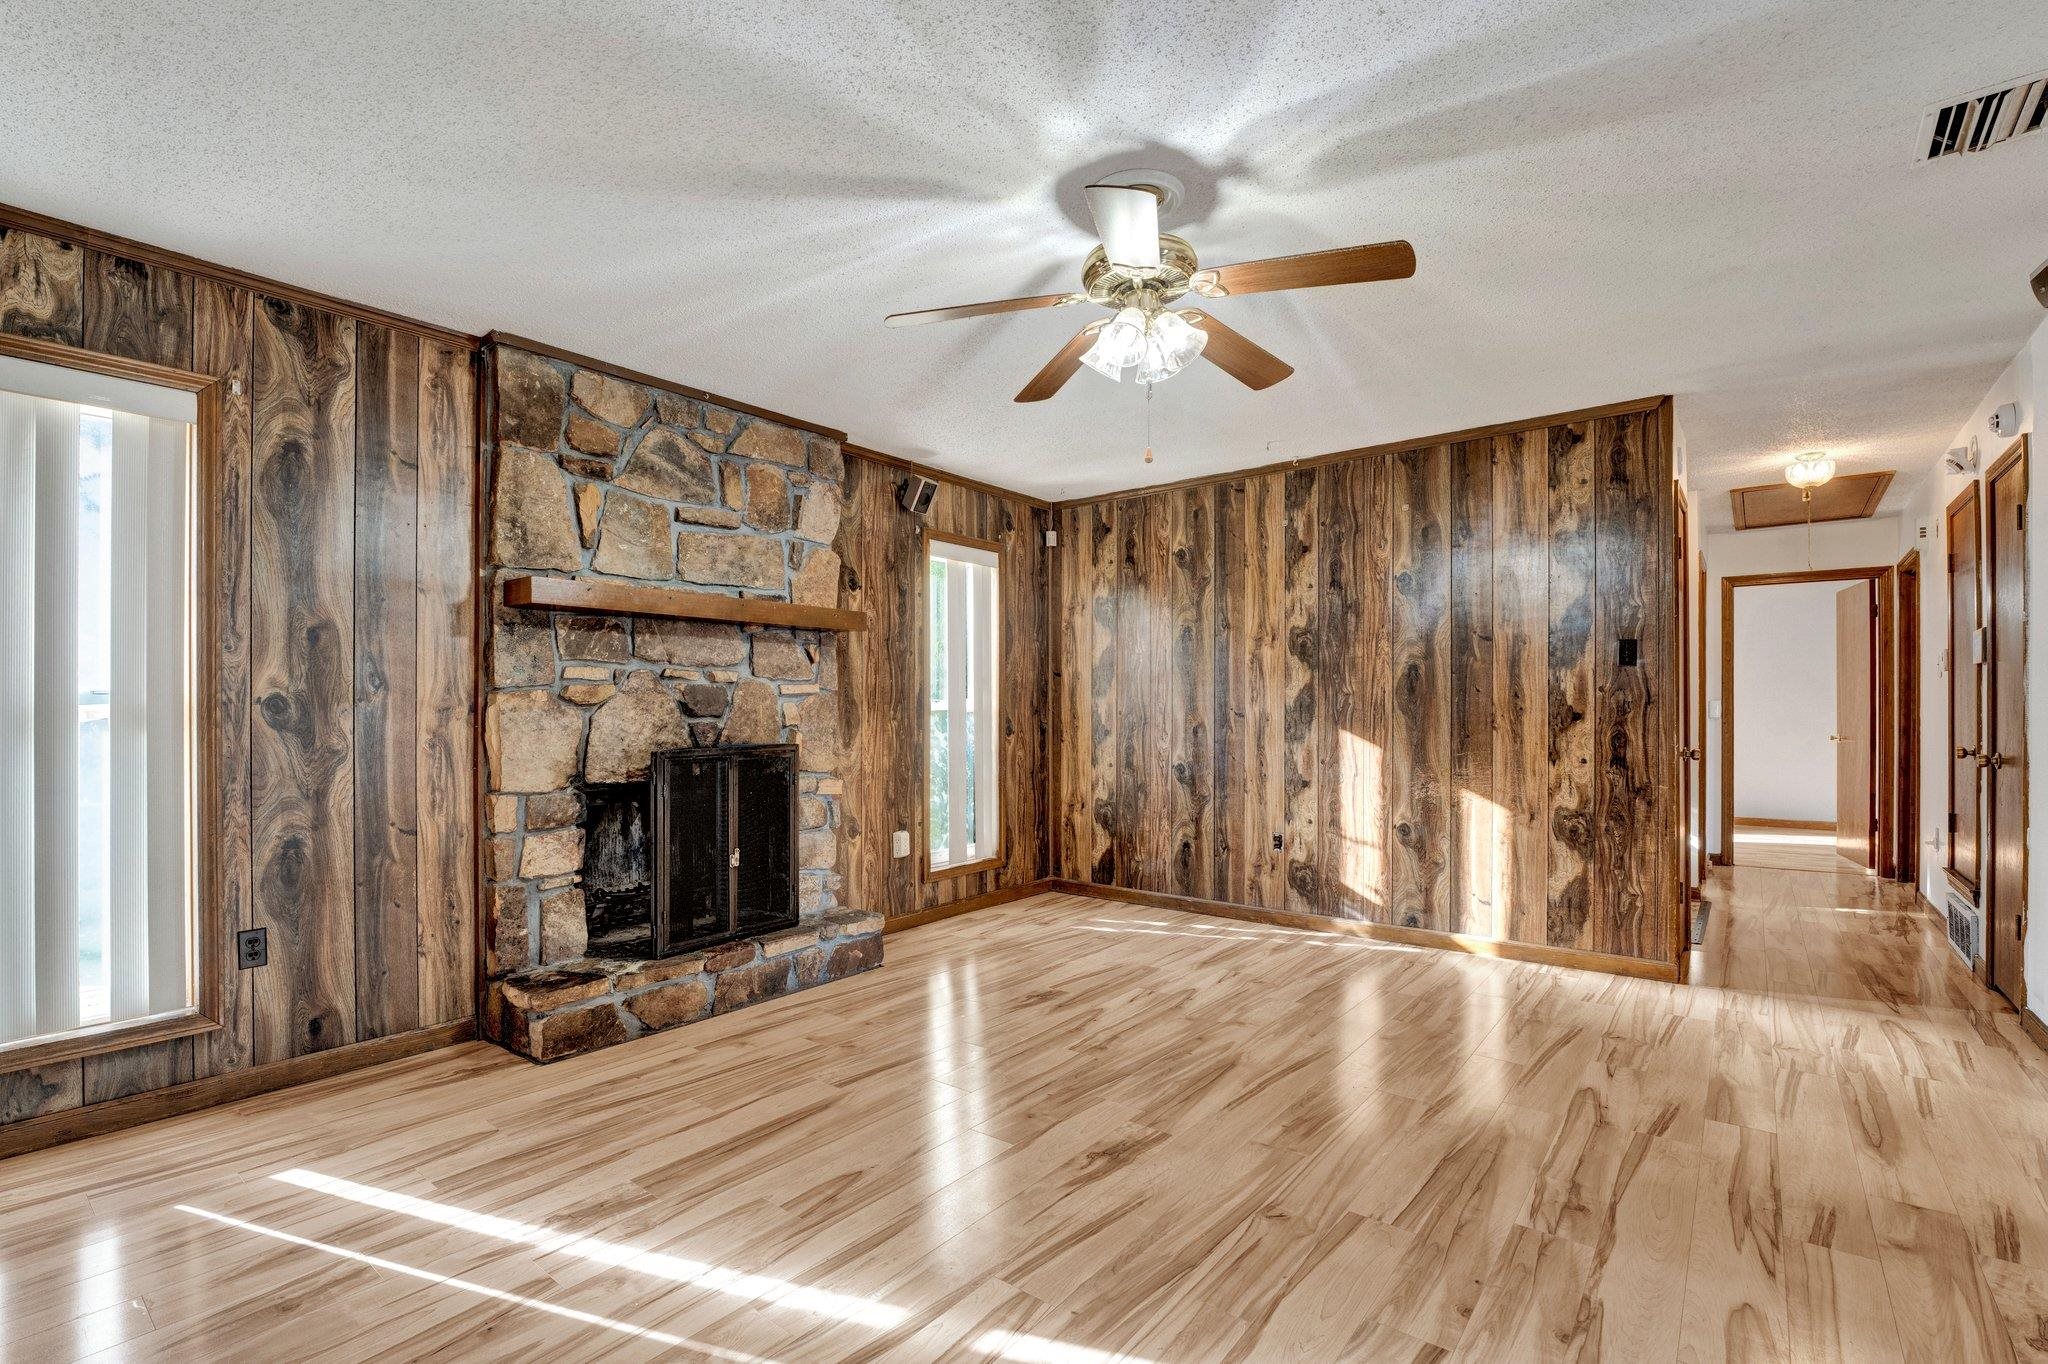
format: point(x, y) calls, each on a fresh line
point(1984, 119)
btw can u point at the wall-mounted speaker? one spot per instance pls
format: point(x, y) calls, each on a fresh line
point(916, 494)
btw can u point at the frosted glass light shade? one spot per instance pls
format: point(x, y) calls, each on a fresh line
point(1809, 471)
point(1118, 345)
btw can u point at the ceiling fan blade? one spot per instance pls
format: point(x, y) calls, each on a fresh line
point(1001, 305)
point(1345, 265)
point(1243, 360)
point(1128, 221)
point(1061, 367)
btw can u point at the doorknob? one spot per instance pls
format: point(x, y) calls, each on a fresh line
point(1688, 755)
point(1999, 760)
point(1834, 738)
point(1966, 753)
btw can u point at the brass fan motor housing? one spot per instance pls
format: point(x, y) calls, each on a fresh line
point(1116, 286)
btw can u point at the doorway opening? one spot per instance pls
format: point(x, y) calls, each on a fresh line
point(1808, 740)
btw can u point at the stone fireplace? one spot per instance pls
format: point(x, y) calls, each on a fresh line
point(598, 478)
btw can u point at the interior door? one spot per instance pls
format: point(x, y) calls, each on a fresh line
point(2005, 734)
point(1854, 642)
point(1965, 696)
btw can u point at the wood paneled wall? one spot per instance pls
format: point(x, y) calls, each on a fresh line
point(883, 682)
point(346, 595)
point(1385, 688)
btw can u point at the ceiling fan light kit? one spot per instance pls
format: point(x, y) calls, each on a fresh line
point(1139, 273)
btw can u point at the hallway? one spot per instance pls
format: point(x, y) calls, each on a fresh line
point(1069, 1129)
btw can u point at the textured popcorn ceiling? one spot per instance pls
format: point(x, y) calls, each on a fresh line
point(1716, 200)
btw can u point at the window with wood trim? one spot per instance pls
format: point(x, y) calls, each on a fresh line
point(97, 546)
point(962, 601)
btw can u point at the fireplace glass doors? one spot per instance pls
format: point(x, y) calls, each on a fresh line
point(724, 846)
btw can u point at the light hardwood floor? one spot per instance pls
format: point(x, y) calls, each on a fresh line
point(1071, 1131)
point(1788, 849)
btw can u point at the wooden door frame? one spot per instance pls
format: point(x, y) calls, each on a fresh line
point(1881, 757)
point(1987, 725)
point(1699, 702)
point(1973, 883)
point(1906, 773)
point(1689, 738)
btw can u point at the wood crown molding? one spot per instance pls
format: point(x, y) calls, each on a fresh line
point(911, 466)
point(109, 244)
point(634, 376)
point(1584, 414)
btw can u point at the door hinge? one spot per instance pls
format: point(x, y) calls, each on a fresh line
point(2021, 521)
point(1951, 821)
point(734, 860)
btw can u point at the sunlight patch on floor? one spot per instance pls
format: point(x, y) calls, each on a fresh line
point(481, 1290)
point(756, 1287)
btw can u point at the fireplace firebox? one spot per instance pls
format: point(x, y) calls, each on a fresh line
point(722, 861)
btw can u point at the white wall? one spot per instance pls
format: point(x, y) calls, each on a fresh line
point(1836, 544)
point(2025, 382)
point(1785, 701)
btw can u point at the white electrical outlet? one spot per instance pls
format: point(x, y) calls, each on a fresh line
point(899, 843)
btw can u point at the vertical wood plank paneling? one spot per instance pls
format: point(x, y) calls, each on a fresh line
point(1419, 752)
point(1072, 665)
point(1230, 834)
point(386, 537)
point(1341, 593)
point(220, 346)
point(1477, 818)
point(869, 584)
point(42, 287)
point(1303, 673)
point(444, 692)
point(1140, 790)
point(1262, 879)
point(1625, 798)
point(1571, 586)
point(138, 310)
point(1191, 684)
point(302, 647)
point(882, 682)
point(1099, 587)
point(297, 796)
point(1521, 687)
point(1405, 680)
point(1336, 606)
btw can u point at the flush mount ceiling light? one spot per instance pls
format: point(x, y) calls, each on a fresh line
point(1139, 273)
point(1809, 471)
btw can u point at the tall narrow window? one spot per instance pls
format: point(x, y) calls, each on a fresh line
point(963, 826)
point(96, 762)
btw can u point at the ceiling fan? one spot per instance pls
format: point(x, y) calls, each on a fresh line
point(1139, 273)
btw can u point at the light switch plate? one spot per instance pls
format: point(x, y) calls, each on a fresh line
point(899, 843)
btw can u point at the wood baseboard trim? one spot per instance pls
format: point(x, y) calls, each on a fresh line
point(1816, 826)
point(1609, 963)
point(2034, 1028)
point(987, 900)
point(55, 1129)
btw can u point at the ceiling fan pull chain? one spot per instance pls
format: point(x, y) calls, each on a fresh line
point(1148, 423)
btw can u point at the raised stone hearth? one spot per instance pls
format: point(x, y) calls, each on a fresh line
point(562, 1010)
point(594, 477)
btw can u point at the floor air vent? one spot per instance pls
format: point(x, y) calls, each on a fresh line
point(1984, 119)
point(1965, 929)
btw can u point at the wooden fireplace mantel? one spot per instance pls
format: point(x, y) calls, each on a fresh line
point(624, 599)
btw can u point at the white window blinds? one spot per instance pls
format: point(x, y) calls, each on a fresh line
point(961, 818)
point(95, 737)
